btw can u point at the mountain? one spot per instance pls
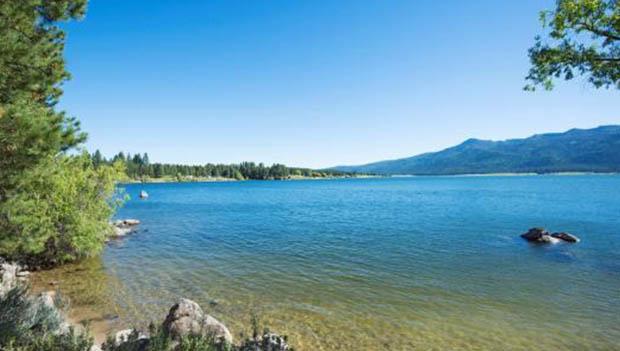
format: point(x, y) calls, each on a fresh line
point(577, 150)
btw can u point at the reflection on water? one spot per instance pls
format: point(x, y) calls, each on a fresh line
point(396, 264)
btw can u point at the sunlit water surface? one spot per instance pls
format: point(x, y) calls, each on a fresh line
point(429, 263)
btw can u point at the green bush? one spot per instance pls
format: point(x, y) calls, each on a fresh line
point(159, 340)
point(59, 211)
point(71, 341)
point(28, 324)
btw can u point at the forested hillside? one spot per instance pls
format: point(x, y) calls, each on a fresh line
point(577, 150)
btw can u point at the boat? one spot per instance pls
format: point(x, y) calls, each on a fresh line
point(144, 194)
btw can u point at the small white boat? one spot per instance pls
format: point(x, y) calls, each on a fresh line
point(144, 194)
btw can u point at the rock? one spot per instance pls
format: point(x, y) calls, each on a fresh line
point(118, 232)
point(132, 340)
point(63, 328)
point(124, 223)
point(47, 299)
point(22, 274)
point(124, 335)
point(539, 235)
point(267, 342)
point(124, 226)
point(566, 237)
point(534, 234)
point(548, 239)
point(187, 318)
point(9, 277)
point(130, 222)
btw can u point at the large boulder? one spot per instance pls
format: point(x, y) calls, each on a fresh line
point(187, 318)
point(566, 237)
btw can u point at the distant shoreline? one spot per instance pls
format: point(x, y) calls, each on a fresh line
point(224, 180)
point(221, 179)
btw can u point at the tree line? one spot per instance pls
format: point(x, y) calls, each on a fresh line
point(139, 167)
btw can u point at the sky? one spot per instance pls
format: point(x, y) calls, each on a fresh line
point(312, 83)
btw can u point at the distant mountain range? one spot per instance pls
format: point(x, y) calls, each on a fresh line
point(577, 150)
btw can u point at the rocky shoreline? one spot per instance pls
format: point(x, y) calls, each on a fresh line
point(184, 319)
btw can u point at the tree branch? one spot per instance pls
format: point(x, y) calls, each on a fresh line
point(603, 33)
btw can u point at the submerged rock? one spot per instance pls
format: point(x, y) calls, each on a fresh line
point(187, 318)
point(566, 237)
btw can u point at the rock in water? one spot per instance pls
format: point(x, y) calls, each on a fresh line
point(537, 235)
point(566, 237)
point(540, 235)
point(129, 222)
point(187, 318)
point(123, 227)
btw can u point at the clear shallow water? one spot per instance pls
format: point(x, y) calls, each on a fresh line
point(367, 264)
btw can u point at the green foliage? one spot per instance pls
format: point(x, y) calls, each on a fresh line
point(583, 39)
point(70, 341)
point(31, 48)
point(27, 324)
point(58, 211)
point(31, 71)
point(159, 340)
point(53, 207)
point(29, 133)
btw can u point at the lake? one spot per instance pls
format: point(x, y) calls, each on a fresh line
point(429, 263)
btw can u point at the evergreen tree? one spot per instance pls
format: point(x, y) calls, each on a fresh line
point(53, 207)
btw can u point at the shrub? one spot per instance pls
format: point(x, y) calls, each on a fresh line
point(59, 211)
point(28, 324)
point(159, 340)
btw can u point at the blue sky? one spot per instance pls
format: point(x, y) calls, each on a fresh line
point(312, 83)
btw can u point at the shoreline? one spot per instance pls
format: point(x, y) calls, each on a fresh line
point(225, 180)
point(464, 175)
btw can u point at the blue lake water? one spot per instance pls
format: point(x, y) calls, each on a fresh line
point(386, 263)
